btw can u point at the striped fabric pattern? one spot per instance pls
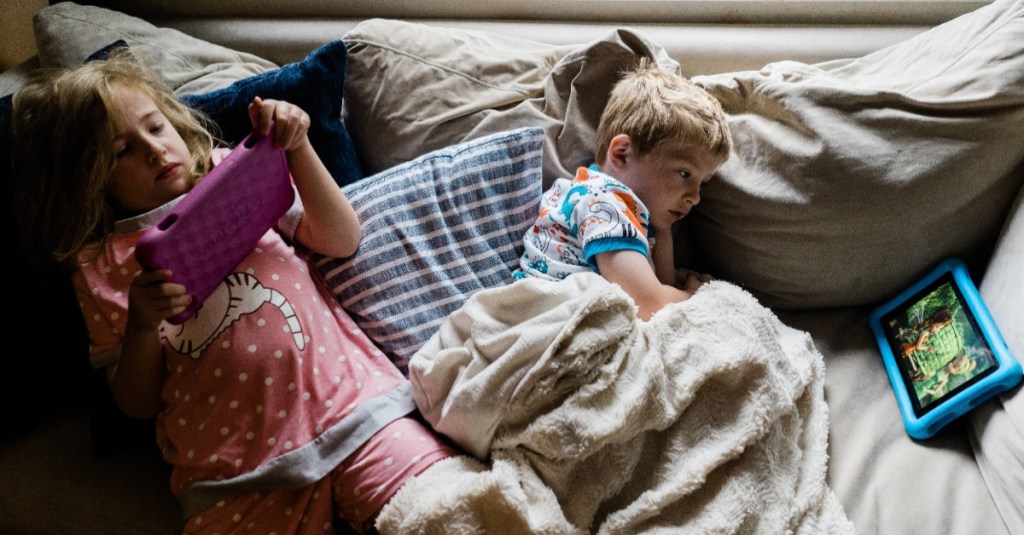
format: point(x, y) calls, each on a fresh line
point(436, 230)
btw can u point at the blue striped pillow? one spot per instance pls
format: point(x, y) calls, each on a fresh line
point(436, 230)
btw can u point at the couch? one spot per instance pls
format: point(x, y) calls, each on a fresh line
point(871, 144)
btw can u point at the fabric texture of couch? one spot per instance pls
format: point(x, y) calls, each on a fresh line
point(856, 170)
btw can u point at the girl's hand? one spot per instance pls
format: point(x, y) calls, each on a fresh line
point(152, 299)
point(290, 122)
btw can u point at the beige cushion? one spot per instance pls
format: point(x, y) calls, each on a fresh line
point(67, 33)
point(851, 178)
point(997, 426)
point(413, 88)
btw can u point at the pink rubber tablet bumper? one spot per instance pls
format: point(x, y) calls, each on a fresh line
point(220, 220)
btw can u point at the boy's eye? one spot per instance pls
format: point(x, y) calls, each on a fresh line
point(685, 174)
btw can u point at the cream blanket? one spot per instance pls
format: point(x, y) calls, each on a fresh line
point(709, 418)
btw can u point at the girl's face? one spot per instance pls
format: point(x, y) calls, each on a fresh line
point(151, 161)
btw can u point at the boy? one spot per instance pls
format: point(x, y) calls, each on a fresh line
point(659, 139)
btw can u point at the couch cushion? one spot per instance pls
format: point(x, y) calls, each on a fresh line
point(851, 178)
point(435, 231)
point(413, 88)
point(996, 427)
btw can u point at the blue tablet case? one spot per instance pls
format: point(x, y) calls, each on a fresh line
point(942, 350)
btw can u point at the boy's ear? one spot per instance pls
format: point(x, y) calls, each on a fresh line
point(620, 150)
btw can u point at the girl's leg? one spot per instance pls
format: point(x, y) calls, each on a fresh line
point(461, 495)
point(306, 510)
point(367, 479)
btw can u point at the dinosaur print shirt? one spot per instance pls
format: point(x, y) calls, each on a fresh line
point(269, 363)
point(580, 218)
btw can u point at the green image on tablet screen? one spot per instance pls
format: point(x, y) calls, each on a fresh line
point(938, 346)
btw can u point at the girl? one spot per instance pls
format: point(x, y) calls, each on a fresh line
point(275, 411)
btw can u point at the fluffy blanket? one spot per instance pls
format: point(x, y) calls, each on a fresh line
point(709, 418)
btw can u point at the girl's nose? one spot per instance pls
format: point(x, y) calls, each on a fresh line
point(156, 150)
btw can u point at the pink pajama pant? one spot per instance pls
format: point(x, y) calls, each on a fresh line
point(355, 491)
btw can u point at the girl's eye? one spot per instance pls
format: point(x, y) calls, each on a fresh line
point(157, 128)
point(685, 174)
point(120, 151)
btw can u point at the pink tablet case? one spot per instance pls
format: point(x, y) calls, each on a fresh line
point(220, 220)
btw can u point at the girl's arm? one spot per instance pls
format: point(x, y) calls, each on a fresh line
point(136, 379)
point(630, 270)
point(328, 225)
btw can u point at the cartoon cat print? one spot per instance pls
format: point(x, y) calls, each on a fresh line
point(237, 295)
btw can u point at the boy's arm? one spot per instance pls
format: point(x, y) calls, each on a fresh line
point(630, 270)
point(663, 255)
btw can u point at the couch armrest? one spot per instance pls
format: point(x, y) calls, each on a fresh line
point(996, 427)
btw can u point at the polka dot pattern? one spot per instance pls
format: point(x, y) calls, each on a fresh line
point(280, 365)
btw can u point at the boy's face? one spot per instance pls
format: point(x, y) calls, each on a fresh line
point(667, 179)
point(151, 161)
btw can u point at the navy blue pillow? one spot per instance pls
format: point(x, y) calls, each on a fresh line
point(315, 84)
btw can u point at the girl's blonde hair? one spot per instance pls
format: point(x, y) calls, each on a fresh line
point(63, 153)
point(653, 106)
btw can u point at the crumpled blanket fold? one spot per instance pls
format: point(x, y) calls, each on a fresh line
point(709, 417)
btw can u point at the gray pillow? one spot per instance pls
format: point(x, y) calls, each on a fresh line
point(436, 230)
point(412, 88)
point(852, 178)
point(67, 33)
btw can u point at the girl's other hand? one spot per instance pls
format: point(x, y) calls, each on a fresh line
point(290, 122)
point(152, 298)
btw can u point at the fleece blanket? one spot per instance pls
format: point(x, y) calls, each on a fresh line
point(708, 418)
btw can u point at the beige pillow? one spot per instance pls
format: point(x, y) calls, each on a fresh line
point(67, 33)
point(852, 178)
point(413, 88)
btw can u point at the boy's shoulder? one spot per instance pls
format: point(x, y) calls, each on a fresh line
point(590, 176)
point(599, 182)
point(590, 186)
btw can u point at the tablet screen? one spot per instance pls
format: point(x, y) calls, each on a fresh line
point(937, 344)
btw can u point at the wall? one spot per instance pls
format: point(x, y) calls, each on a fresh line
point(16, 41)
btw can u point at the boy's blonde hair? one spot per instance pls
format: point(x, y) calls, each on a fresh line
point(653, 106)
point(63, 151)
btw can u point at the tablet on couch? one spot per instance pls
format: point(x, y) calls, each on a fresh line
point(942, 350)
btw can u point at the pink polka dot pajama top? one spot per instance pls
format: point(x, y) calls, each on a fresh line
point(269, 386)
